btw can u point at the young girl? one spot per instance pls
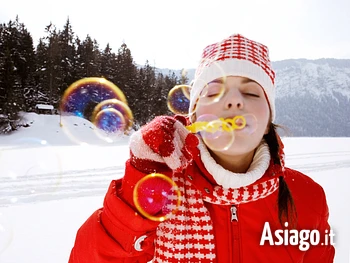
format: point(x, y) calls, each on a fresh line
point(238, 204)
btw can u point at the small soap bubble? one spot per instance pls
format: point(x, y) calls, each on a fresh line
point(119, 106)
point(14, 200)
point(208, 126)
point(211, 93)
point(179, 99)
point(6, 233)
point(216, 133)
point(11, 174)
point(213, 90)
point(248, 124)
point(156, 197)
point(41, 171)
point(110, 120)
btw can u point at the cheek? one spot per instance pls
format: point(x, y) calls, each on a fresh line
point(263, 113)
point(264, 110)
point(205, 109)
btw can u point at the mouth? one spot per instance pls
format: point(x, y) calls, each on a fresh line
point(238, 121)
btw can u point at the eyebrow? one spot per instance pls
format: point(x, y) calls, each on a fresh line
point(247, 80)
point(221, 81)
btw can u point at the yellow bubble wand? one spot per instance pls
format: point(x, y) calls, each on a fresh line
point(228, 125)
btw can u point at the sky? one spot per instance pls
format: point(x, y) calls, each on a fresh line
point(172, 34)
point(48, 190)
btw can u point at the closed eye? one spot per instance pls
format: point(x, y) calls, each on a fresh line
point(212, 95)
point(213, 90)
point(252, 94)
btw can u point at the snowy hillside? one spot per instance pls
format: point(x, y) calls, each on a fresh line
point(54, 130)
point(50, 184)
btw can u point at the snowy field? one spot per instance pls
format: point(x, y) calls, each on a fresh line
point(50, 184)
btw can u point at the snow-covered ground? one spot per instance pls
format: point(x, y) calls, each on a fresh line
point(52, 178)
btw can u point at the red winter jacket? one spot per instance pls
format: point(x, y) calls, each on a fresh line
point(118, 233)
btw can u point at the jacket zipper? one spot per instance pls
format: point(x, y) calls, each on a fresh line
point(235, 234)
point(234, 217)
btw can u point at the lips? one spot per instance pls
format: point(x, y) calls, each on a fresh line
point(239, 122)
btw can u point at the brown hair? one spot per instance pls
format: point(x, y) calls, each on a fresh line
point(286, 207)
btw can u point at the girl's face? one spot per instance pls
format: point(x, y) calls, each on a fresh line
point(239, 96)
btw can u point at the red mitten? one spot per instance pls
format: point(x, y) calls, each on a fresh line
point(166, 140)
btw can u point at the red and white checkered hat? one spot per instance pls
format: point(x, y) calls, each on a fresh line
point(235, 56)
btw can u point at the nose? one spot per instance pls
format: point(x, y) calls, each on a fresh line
point(234, 100)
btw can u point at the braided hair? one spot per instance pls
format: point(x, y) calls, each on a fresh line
point(285, 202)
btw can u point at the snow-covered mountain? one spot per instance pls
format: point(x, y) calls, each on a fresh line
point(312, 96)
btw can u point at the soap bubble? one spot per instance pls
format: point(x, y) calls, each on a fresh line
point(179, 99)
point(156, 197)
point(6, 233)
point(96, 100)
point(216, 133)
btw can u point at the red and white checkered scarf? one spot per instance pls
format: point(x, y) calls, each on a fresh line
point(188, 235)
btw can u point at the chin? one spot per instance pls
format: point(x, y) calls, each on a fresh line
point(238, 151)
point(242, 146)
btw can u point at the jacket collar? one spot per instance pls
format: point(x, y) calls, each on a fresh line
point(228, 179)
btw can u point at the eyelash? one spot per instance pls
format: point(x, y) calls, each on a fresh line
point(212, 95)
point(252, 94)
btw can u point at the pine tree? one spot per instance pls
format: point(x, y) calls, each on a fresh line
point(4, 68)
point(16, 72)
point(6, 82)
point(27, 68)
point(78, 70)
point(53, 70)
point(162, 90)
point(55, 67)
point(148, 94)
point(41, 75)
point(67, 54)
point(108, 64)
point(88, 58)
point(139, 97)
point(126, 69)
point(145, 101)
point(126, 78)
